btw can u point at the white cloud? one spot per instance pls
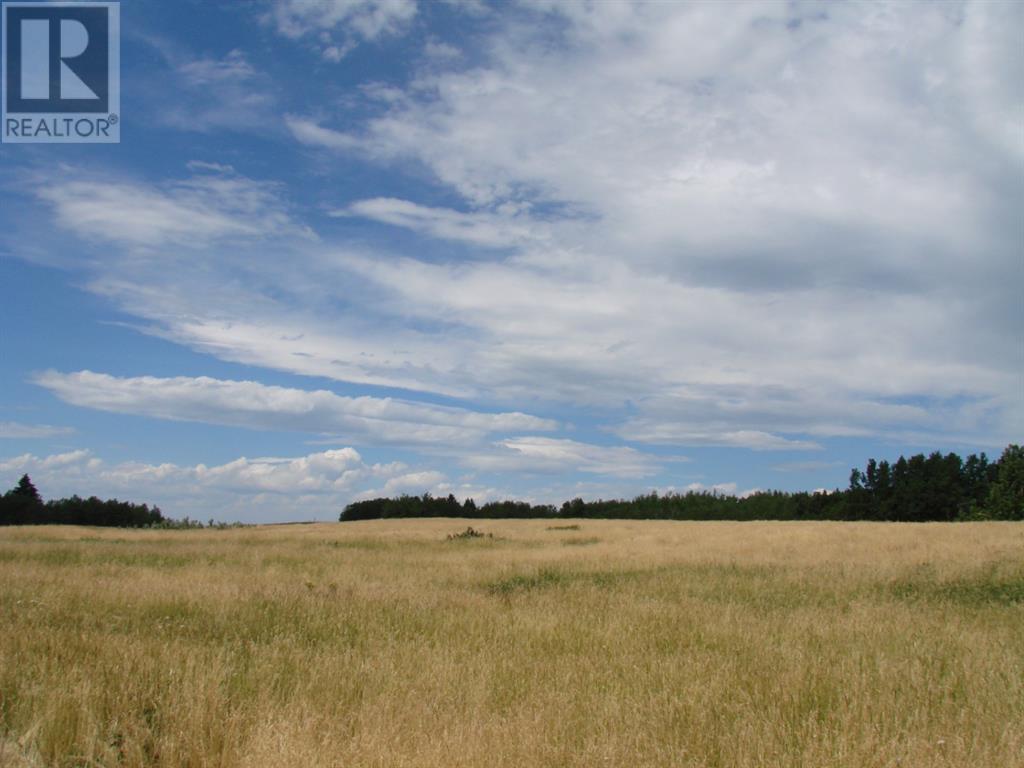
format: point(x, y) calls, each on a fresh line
point(806, 466)
point(699, 122)
point(13, 429)
point(678, 434)
point(440, 51)
point(338, 25)
point(741, 224)
point(206, 93)
point(990, 50)
point(436, 484)
point(259, 489)
point(216, 72)
point(722, 489)
point(252, 490)
point(373, 420)
point(494, 230)
point(702, 364)
point(309, 132)
point(413, 482)
point(754, 198)
point(471, 7)
point(28, 461)
point(212, 206)
point(546, 454)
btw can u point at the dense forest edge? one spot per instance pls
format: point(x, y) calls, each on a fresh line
point(919, 489)
point(23, 505)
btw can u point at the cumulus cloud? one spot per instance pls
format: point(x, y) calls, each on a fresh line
point(413, 482)
point(268, 489)
point(722, 489)
point(261, 490)
point(249, 404)
point(28, 461)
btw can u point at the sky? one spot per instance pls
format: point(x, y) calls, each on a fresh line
point(533, 250)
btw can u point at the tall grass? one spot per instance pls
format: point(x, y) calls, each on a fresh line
point(381, 643)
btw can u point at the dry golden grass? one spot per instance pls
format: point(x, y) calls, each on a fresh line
point(619, 643)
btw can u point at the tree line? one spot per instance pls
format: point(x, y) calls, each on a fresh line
point(921, 488)
point(22, 505)
point(937, 487)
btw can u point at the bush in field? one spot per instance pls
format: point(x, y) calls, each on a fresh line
point(469, 533)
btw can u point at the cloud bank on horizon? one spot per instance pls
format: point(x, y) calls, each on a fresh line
point(532, 249)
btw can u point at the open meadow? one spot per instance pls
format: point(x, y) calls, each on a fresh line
point(552, 643)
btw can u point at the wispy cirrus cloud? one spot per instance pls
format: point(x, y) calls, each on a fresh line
point(213, 205)
point(16, 430)
point(704, 365)
point(311, 133)
point(806, 466)
point(753, 227)
point(557, 455)
point(209, 71)
point(745, 227)
point(501, 229)
point(207, 92)
point(249, 404)
point(679, 434)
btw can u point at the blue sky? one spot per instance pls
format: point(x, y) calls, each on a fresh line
point(531, 249)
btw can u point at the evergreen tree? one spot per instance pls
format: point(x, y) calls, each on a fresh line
point(1006, 496)
point(26, 490)
point(21, 505)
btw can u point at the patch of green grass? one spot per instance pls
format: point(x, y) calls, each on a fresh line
point(580, 542)
point(563, 528)
point(74, 556)
point(99, 540)
point(378, 544)
point(547, 577)
point(150, 560)
point(527, 582)
point(991, 590)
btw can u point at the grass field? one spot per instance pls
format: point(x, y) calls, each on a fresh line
point(578, 643)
